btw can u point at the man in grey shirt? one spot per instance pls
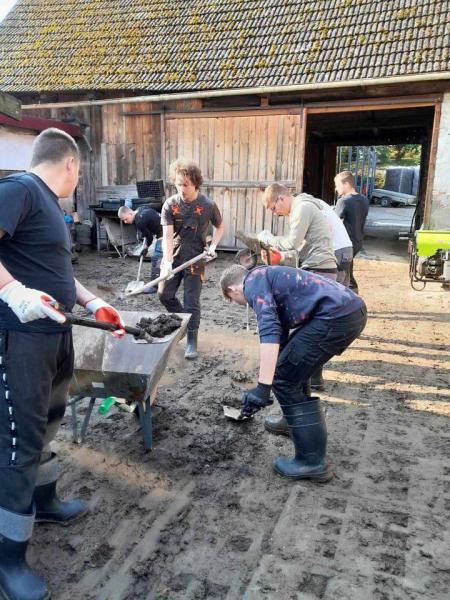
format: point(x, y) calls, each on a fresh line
point(352, 208)
point(309, 234)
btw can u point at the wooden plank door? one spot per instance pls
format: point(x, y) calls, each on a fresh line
point(239, 155)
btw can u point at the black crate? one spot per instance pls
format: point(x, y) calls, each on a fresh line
point(112, 204)
point(151, 201)
point(152, 187)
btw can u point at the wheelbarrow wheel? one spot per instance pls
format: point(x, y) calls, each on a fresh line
point(246, 258)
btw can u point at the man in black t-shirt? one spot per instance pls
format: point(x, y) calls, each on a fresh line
point(185, 218)
point(36, 351)
point(352, 208)
point(148, 223)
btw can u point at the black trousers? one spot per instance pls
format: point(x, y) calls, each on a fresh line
point(192, 284)
point(35, 373)
point(353, 283)
point(310, 347)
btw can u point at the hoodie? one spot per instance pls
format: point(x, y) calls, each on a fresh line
point(309, 234)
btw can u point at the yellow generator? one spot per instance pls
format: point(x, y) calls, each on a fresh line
point(430, 258)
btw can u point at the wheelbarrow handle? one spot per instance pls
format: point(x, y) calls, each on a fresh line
point(137, 332)
point(185, 265)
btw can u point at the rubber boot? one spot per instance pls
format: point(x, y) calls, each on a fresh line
point(276, 425)
point(191, 345)
point(306, 422)
point(50, 509)
point(17, 580)
point(317, 381)
point(155, 272)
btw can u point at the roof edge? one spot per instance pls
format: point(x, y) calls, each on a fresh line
point(243, 91)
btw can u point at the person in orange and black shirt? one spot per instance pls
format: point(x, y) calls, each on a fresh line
point(185, 218)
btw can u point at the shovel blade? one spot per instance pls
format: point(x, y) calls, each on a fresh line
point(233, 413)
point(133, 285)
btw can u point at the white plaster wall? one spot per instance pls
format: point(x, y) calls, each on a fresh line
point(440, 205)
point(15, 149)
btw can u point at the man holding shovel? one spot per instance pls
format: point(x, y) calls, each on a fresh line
point(303, 320)
point(148, 223)
point(185, 218)
point(36, 351)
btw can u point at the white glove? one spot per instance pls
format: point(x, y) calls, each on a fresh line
point(264, 237)
point(28, 304)
point(166, 269)
point(105, 312)
point(211, 251)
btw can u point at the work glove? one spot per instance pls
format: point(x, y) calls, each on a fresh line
point(275, 257)
point(255, 399)
point(144, 251)
point(264, 237)
point(166, 269)
point(211, 251)
point(29, 304)
point(105, 312)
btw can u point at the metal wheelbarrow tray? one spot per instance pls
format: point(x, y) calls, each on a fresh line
point(106, 366)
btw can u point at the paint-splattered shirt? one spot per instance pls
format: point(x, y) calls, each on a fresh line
point(285, 298)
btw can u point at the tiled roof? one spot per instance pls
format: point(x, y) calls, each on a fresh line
point(169, 45)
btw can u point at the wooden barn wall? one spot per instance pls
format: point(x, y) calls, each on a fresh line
point(239, 153)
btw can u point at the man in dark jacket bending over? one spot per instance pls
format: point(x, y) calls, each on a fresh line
point(303, 320)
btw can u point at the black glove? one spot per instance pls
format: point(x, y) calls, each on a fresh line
point(143, 252)
point(255, 399)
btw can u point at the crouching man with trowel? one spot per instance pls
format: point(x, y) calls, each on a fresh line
point(36, 352)
point(303, 320)
point(185, 218)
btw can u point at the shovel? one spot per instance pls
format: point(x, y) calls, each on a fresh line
point(138, 333)
point(147, 286)
point(234, 414)
point(133, 285)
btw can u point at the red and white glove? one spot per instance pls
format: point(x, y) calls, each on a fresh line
point(105, 312)
point(275, 257)
point(29, 304)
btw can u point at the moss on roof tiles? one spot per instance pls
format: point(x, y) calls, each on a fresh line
point(174, 45)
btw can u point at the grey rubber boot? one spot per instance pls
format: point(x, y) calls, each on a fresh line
point(276, 425)
point(317, 382)
point(17, 580)
point(306, 422)
point(191, 345)
point(49, 508)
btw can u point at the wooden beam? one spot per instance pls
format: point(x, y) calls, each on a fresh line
point(229, 112)
point(372, 104)
point(289, 183)
point(432, 165)
point(10, 106)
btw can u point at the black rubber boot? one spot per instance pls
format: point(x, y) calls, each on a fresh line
point(276, 425)
point(50, 509)
point(17, 580)
point(191, 345)
point(155, 272)
point(317, 381)
point(306, 422)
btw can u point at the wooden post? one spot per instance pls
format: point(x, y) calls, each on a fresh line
point(300, 167)
point(432, 165)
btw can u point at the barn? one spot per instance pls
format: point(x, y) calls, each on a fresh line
point(253, 90)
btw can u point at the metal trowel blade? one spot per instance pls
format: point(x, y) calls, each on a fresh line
point(234, 414)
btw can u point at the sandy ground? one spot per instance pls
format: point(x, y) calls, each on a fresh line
point(203, 516)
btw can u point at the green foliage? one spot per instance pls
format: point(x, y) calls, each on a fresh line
point(400, 155)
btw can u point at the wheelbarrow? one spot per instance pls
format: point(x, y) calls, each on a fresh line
point(106, 366)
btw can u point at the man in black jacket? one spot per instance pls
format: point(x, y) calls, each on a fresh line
point(148, 223)
point(352, 208)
